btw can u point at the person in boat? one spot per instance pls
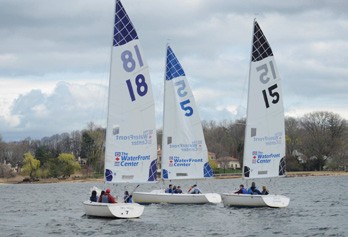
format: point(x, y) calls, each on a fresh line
point(169, 189)
point(94, 197)
point(174, 189)
point(241, 190)
point(264, 191)
point(253, 189)
point(178, 190)
point(127, 197)
point(106, 197)
point(194, 190)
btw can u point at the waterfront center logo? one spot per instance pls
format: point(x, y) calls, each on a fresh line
point(254, 157)
point(171, 161)
point(117, 158)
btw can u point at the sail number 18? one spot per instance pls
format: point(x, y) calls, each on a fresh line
point(129, 64)
point(264, 79)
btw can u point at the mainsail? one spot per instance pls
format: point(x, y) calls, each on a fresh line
point(264, 149)
point(131, 152)
point(184, 152)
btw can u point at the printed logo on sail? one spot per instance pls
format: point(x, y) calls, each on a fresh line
point(177, 161)
point(194, 146)
point(171, 161)
point(260, 157)
point(270, 140)
point(254, 157)
point(137, 139)
point(117, 158)
point(124, 159)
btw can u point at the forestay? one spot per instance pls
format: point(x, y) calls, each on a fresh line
point(184, 152)
point(131, 152)
point(264, 150)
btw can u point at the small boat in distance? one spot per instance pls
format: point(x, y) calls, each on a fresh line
point(184, 152)
point(131, 147)
point(264, 145)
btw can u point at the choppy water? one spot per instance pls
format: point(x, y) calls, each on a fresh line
point(318, 207)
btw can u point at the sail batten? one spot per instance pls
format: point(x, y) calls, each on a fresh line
point(264, 148)
point(131, 147)
point(184, 152)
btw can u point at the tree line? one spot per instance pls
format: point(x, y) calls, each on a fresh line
point(315, 141)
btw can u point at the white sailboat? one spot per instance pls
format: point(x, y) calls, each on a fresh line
point(184, 152)
point(264, 146)
point(131, 147)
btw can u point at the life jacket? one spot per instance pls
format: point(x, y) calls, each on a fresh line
point(105, 199)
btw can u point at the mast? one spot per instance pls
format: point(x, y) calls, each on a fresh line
point(163, 111)
point(248, 101)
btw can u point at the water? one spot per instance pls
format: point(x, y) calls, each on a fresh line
point(318, 207)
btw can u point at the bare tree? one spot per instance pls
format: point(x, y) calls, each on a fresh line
point(324, 135)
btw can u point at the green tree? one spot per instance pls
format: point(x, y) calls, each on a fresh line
point(30, 165)
point(68, 164)
point(92, 147)
point(212, 163)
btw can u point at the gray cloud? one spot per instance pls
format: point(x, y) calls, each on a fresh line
point(65, 40)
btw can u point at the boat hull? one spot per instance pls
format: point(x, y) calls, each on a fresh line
point(247, 200)
point(113, 210)
point(159, 196)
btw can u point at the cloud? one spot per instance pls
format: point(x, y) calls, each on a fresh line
point(55, 56)
point(69, 107)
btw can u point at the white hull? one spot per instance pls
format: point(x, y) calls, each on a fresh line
point(159, 196)
point(113, 210)
point(247, 200)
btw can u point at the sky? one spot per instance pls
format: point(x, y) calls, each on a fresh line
point(55, 57)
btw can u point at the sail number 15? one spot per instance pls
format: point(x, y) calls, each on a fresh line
point(129, 64)
point(264, 79)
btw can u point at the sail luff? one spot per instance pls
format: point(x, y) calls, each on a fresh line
point(246, 172)
point(164, 107)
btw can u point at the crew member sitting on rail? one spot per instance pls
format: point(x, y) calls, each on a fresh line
point(241, 190)
point(169, 189)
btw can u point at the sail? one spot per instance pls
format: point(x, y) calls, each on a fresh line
point(184, 152)
point(264, 148)
point(131, 147)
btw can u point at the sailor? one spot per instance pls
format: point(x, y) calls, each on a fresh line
point(241, 190)
point(253, 189)
point(127, 197)
point(94, 197)
point(264, 191)
point(178, 190)
point(169, 189)
point(106, 197)
point(194, 190)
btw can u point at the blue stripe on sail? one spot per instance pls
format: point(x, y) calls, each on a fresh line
point(153, 171)
point(173, 67)
point(208, 172)
point(165, 174)
point(124, 31)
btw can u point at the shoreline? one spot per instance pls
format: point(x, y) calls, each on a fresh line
point(19, 179)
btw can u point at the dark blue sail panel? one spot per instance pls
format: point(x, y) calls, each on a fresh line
point(261, 48)
point(108, 175)
point(208, 172)
point(124, 31)
point(165, 174)
point(153, 171)
point(173, 67)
